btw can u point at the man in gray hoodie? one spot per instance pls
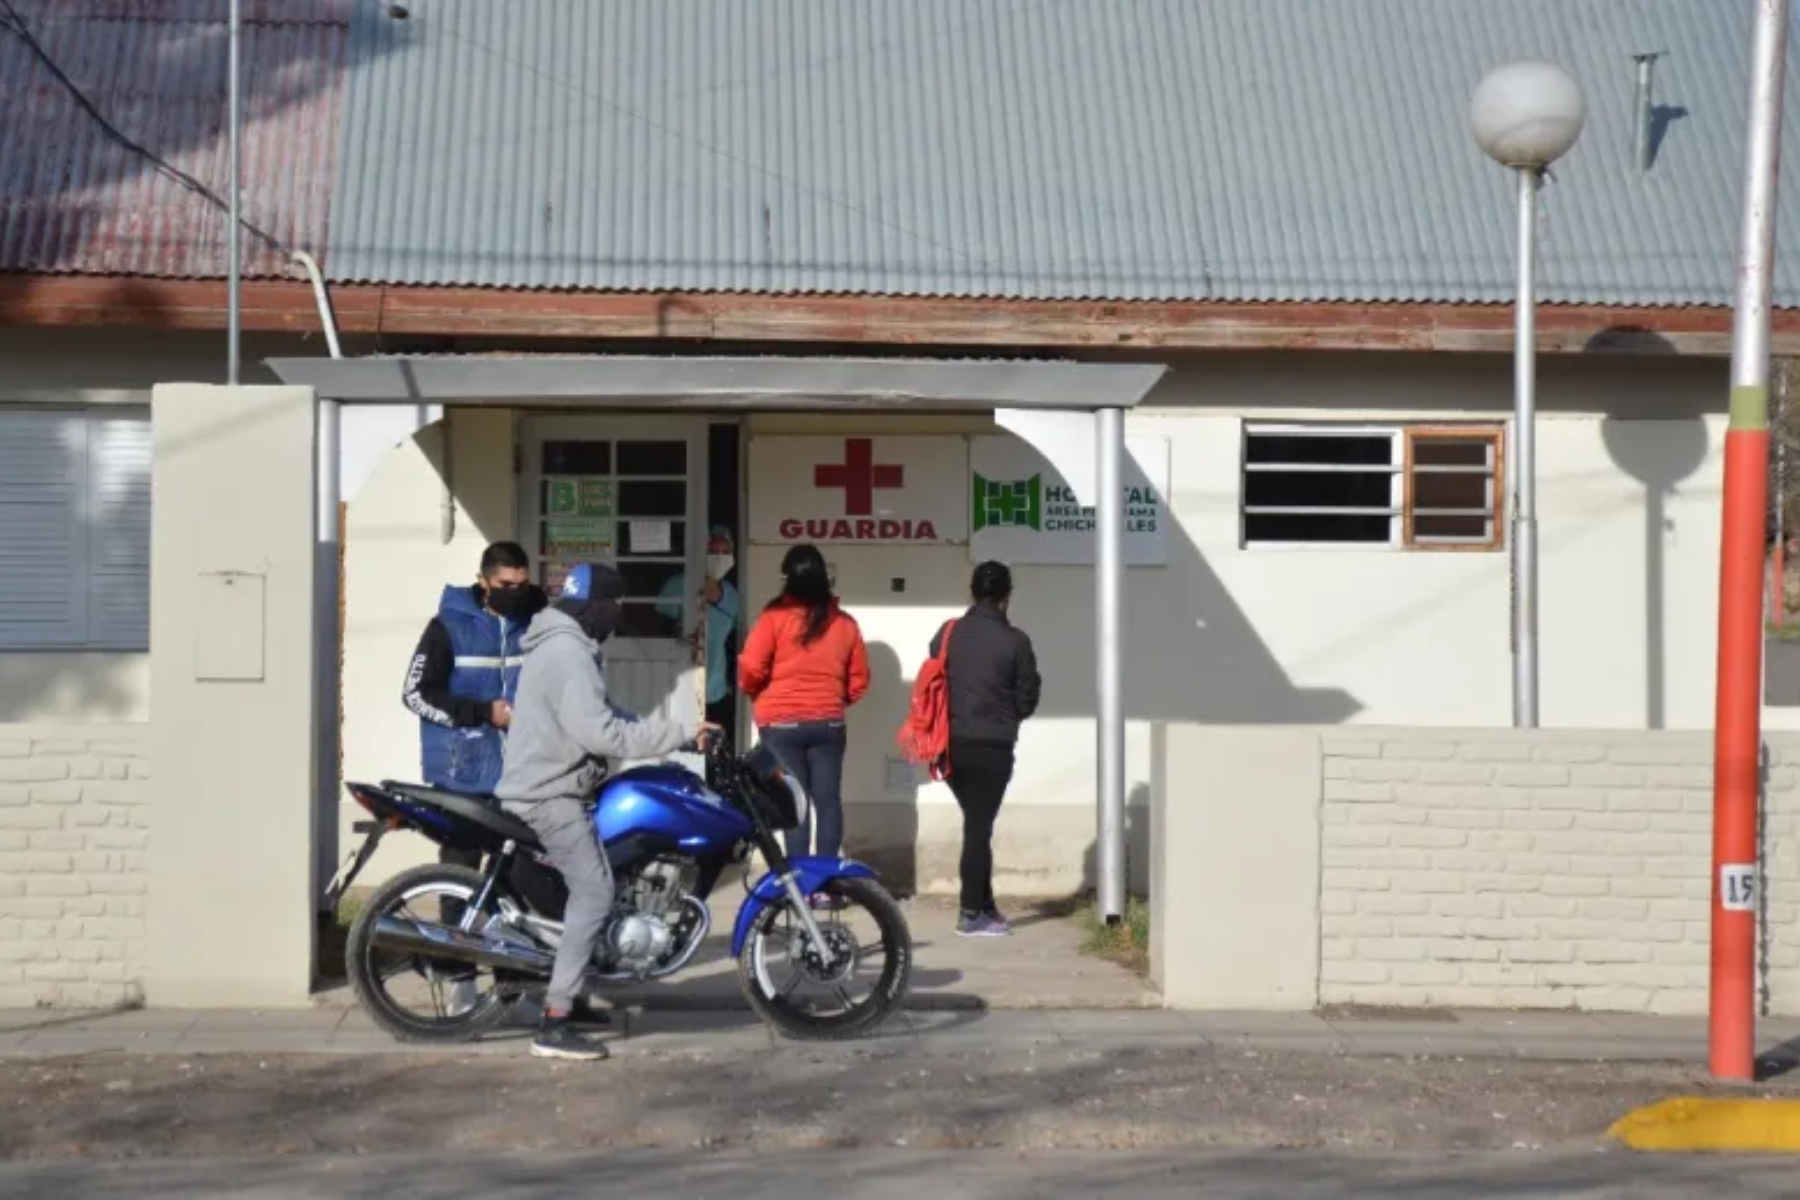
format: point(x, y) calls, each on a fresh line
point(563, 731)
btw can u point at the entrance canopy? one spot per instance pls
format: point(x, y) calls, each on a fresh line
point(546, 381)
point(1042, 402)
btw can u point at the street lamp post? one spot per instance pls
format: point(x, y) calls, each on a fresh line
point(1526, 115)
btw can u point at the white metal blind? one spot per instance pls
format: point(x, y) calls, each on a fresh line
point(118, 533)
point(74, 529)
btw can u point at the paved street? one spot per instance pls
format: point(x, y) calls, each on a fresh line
point(1474, 1033)
point(314, 1083)
point(906, 1175)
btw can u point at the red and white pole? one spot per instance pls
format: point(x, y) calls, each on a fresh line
point(1737, 749)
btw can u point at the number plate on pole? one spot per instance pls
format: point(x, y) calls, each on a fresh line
point(1737, 887)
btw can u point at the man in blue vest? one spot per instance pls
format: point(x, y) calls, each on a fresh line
point(463, 672)
point(460, 684)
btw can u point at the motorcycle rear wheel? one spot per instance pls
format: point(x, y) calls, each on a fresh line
point(774, 1003)
point(371, 968)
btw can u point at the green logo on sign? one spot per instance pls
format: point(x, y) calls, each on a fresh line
point(1008, 503)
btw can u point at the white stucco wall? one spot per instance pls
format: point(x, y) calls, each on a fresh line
point(1219, 635)
point(79, 368)
point(396, 563)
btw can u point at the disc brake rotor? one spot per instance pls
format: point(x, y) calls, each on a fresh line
point(841, 946)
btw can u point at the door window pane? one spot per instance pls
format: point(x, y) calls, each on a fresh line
point(643, 498)
point(653, 458)
point(577, 458)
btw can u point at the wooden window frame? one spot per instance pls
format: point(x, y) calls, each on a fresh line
point(1495, 437)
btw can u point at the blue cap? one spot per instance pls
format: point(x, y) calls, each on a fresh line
point(578, 584)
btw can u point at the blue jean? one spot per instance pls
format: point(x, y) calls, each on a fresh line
point(814, 752)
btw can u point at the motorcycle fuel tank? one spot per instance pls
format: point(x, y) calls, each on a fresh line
point(667, 801)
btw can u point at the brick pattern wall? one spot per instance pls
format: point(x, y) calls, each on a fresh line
point(74, 825)
point(1542, 869)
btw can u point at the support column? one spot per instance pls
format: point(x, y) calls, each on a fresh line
point(1109, 589)
point(234, 697)
point(329, 663)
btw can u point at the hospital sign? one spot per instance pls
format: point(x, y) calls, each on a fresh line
point(1022, 511)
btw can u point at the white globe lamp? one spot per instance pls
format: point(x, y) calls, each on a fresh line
point(1526, 115)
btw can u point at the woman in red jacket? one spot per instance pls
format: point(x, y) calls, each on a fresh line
point(803, 665)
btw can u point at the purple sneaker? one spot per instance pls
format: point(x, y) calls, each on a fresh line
point(981, 925)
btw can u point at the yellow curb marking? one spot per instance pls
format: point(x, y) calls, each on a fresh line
point(1699, 1123)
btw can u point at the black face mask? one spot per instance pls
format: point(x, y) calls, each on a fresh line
point(512, 603)
point(600, 618)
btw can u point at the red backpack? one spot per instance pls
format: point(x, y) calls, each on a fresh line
point(925, 737)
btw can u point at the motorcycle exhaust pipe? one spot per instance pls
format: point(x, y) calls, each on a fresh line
point(442, 942)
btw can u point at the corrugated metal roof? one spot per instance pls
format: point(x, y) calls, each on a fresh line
point(74, 201)
point(1275, 150)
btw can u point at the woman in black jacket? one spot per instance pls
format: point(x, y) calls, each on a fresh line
point(994, 687)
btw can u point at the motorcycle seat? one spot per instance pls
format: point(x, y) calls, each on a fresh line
point(482, 811)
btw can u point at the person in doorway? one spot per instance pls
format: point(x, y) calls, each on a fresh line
point(459, 684)
point(563, 731)
point(804, 664)
point(721, 607)
point(994, 688)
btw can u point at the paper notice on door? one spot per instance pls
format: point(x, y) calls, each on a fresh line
point(651, 537)
point(578, 538)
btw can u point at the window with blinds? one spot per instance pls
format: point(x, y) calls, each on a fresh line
point(74, 529)
point(1413, 487)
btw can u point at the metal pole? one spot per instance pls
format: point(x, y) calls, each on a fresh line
point(234, 282)
point(328, 593)
point(1109, 577)
point(327, 662)
point(1524, 464)
point(1737, 744)
point(1777, 602)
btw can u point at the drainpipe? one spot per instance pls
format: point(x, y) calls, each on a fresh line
point(322, 298)
point(326, 598)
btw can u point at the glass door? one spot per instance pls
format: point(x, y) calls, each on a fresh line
point(628, 491)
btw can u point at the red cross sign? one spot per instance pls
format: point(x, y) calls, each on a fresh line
point(859, 475)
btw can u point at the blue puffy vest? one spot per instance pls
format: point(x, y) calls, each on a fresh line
point(487, 660)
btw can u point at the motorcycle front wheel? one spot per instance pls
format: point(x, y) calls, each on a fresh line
point(813, 997)
point(418, 999)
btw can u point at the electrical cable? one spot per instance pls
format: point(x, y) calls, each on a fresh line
point(14, 23)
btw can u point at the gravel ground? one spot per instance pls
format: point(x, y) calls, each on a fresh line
point(99, 1107)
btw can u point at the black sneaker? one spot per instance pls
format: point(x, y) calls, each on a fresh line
point(558, 1039)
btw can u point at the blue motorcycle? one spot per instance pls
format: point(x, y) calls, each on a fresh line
point(443, 952)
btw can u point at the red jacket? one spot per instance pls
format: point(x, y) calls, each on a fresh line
point(789, 682)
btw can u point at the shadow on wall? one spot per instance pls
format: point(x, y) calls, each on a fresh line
point(1660, 455)
point(894, 850)
point(1192, 655)
point(72, 685)
point(396, 565)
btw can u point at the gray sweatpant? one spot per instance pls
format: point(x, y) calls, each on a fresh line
point(566, 827)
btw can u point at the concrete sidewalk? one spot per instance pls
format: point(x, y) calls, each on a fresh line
point(1041, 966)
point(1548, 1036)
